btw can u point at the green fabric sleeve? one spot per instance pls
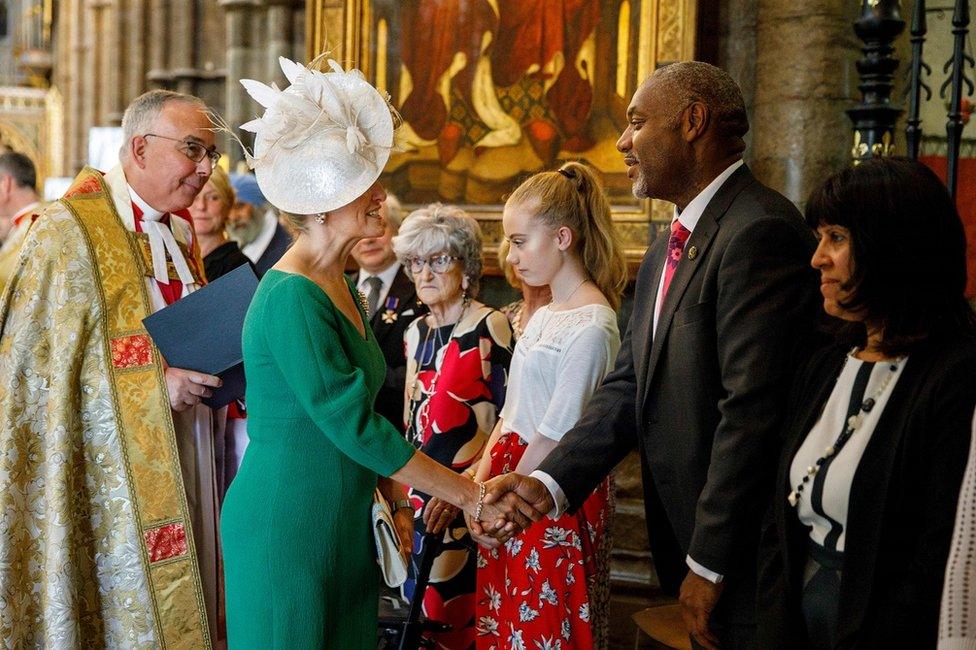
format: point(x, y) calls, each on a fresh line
point(304, 338)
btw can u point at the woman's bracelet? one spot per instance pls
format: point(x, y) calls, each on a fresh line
point(401, 504)
point(481, 501)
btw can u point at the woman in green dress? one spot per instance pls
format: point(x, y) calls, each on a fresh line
point(300, 569)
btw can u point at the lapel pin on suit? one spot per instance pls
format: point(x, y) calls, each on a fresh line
point(692, 252)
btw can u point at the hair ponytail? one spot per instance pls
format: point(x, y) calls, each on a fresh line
point(573, 197)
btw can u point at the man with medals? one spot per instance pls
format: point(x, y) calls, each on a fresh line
point(392, 304)
point(107, 488)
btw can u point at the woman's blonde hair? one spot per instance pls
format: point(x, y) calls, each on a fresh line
point(295, 224)
point(221, 184)
point(573, 197)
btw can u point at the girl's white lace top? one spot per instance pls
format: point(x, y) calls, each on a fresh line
point(558, 363)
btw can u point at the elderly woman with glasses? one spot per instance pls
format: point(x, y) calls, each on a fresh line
point(457, 369)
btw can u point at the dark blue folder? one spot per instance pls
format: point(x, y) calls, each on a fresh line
point(202, 331)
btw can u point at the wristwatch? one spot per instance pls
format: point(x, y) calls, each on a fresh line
point(399, 504)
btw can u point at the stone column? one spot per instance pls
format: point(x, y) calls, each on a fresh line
point(182, 34)
point(737, 50)
point(134, 81)
point(113, 63)
point(158, 75)
point(804, 80)
point(71, 15)
point(238, 41)
point(90, 71)
point(104, 56)
point(279, 21)
point(257, 43)
point(298, 34)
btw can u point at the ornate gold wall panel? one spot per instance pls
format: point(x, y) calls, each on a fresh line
point(30, 123)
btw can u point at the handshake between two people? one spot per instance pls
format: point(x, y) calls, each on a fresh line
point(510, 504)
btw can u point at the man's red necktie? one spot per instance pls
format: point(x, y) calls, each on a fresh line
point(676, 246)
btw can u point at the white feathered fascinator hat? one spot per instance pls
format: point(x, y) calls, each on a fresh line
point(322, 141)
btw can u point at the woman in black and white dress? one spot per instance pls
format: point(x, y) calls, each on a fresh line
point(878, 426)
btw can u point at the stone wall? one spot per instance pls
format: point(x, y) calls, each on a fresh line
point(107, 52)
point(795, 63)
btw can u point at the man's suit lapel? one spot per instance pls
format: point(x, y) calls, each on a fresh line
point(693, 256)
point(644, 326)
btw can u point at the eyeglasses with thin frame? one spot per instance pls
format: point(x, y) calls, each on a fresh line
point(438, 263)
point(192, 150)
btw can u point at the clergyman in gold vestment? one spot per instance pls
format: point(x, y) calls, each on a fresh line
point(107, 495)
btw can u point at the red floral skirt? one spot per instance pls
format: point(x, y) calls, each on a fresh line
point(549, 586)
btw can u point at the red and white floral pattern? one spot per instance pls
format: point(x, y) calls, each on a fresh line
point(165, 542)
point(549, 586)
point(131, 351)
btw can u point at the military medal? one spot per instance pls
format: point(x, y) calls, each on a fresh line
point(389, 314)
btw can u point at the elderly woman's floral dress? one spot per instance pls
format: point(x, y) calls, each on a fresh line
point(456, 378)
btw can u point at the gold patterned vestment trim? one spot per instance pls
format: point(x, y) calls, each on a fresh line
point(143, 417)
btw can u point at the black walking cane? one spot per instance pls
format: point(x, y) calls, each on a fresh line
point(414, 628)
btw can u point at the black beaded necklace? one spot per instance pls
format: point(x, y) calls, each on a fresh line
point(854, 422)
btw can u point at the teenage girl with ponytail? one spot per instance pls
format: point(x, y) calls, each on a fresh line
point(550, 583)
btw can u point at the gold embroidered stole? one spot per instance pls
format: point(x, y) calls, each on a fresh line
point(141, 240)
point(143, 417)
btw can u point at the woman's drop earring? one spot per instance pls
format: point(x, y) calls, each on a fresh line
point(320, 219)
